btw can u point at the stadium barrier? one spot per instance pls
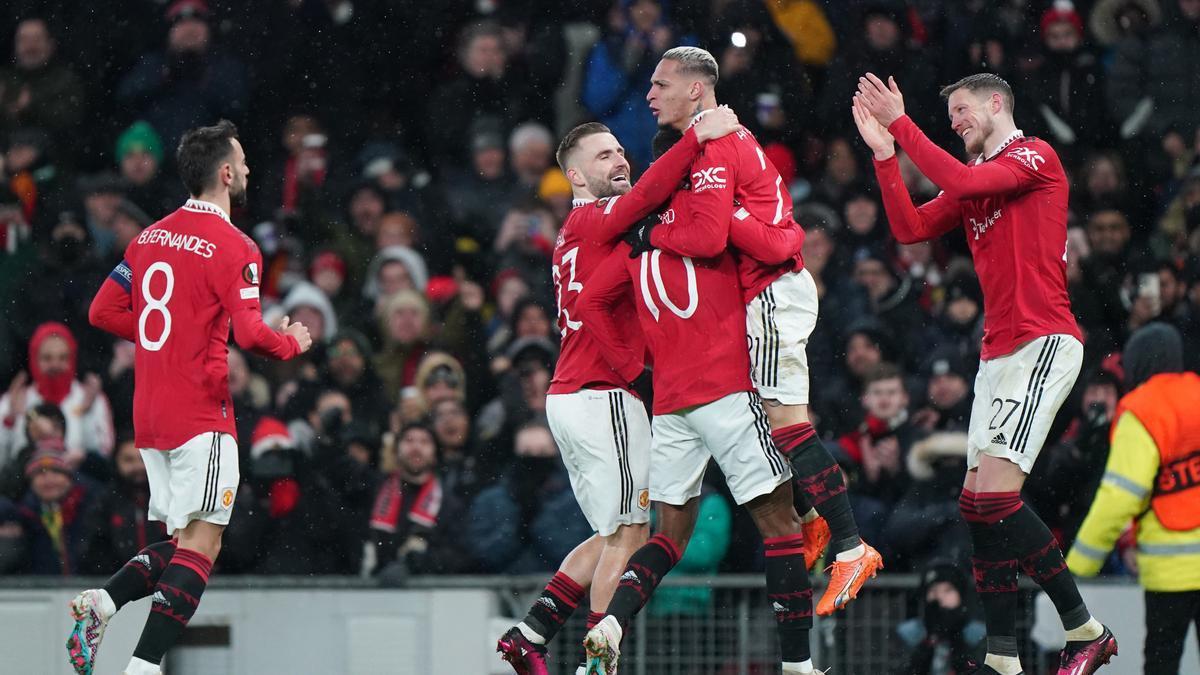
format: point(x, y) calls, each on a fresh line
point(448, 625)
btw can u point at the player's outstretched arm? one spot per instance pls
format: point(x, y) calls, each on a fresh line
point(662, 177)
point(909, 224)
point(606, 287)
point(886, 104)
point(112, 308)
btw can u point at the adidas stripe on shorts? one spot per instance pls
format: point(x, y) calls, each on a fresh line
point(779, 321)
point(1017, 397)
point(196, 481)
point(604, 439)
point(732, 430)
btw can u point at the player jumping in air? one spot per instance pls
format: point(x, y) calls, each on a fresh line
point(732, 179)
point(599, 424)
point(1011, 199)
point(183, 282)
point(694, 318)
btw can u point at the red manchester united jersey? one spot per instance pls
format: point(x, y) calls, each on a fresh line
point(181, 284)
point(732, 181)
point(691, 311)
point(588, 236)
point(1013, 207)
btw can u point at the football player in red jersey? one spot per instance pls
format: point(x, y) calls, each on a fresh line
point(184, 281)
point(733, 177)
point(693, 316)
point(1011, 200)
point(608, 466)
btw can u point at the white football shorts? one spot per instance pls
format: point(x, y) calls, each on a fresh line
point(1017, 397)
point(734, 431)
point(196, 481)
point(604, 439)
point(779, 321)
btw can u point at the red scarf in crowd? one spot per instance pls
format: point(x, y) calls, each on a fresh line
point(52, 388)
point(385, 515)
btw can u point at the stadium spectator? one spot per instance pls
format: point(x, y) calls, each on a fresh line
point(118, 527)
point(46, 426)
point(876, 451)
point(348, 369)
point(948, 394)
point(414, 522)
point(35, 180)
point(617, 72)
point(405, 325)
point(1066, 86)
point(480, 194)
point(53, 513)
point(39, 90)
point(1151, 87)
point(528, 520)
point(52, 359)
point(140, 157)
point(924, 525)
point(439, 377)
point(486, 88)
point(880, 47)
point(289, 520)
point(60, 286)
point(958, 327)
point(531, 155)
point(189, 83)
point(945, 635)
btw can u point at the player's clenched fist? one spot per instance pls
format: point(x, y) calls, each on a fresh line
point(298, 331)
point(716, 123)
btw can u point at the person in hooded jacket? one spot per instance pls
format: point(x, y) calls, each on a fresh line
point(925, 524)
point(348, 368)
point(943, 638)
point(52, 365)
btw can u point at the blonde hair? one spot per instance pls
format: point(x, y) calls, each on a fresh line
point(696, 61)
point(403, 299)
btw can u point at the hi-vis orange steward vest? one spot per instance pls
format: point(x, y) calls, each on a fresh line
point(1168, 406)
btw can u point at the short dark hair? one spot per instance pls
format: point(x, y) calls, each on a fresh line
point(664, 140)
point(201, 151)
point(989, 82)
point(573, 137)
point(880, 372)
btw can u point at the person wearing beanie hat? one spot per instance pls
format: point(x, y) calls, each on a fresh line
point(53, 513)
point(1152, 479)
point(139, 155)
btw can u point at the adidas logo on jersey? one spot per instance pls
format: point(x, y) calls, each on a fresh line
point(548, 602)
point(142, 559)
point(1000, 439)
point(631, 576)
point(159, 599)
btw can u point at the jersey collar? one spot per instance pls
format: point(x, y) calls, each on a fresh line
point(1009, 140)
point(576, 203)
point(201, 206)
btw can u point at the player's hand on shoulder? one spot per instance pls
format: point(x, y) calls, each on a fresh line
point(638, 236)
point(716, 123)
point(298, 331)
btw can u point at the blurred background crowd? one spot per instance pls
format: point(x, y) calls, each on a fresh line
point(404, 194)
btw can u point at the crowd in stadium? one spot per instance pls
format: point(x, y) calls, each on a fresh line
point(404, 194)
